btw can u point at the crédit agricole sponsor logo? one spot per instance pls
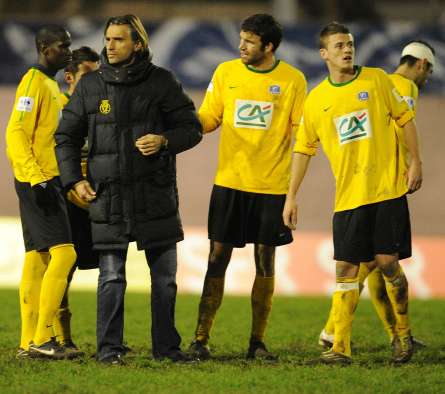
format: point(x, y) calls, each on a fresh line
point(253, 114)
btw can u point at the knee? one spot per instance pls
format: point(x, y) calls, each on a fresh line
point(344, 269)
point(388, 264)
point(219, 259)
point(265, 260)
point(111, 268)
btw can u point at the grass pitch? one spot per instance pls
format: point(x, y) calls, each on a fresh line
point(293, 332)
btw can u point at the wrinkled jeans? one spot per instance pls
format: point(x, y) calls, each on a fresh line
point(162, 262)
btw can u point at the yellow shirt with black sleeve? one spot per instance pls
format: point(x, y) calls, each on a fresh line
point(30, 131)
point(352, 121)
point(258, 112)
point(410, 93)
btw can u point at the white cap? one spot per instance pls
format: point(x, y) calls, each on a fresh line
point(419, 51)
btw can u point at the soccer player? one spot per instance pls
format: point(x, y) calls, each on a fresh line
point(348, 114)
point(30, 143)
point(83, 60)
point(416, 65)
point(257, 100)
point(137, 119)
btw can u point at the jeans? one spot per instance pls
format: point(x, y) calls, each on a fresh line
point(162, 262)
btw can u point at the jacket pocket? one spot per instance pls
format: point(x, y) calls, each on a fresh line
point(99, 209)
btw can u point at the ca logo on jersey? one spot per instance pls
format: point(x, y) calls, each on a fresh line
point(253, 114)
point(105, 107)
point(354, 126)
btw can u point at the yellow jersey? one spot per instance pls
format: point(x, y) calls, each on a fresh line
point(30, 131)
point(65, 97)
point(352, 121)
point(258, 113)
point(410, 93)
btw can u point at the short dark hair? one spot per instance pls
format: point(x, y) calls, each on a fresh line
point(49, 34)
point(330, 29)
point(411, 60)
point(138, 32)
point(83, 54)
point(265, 26)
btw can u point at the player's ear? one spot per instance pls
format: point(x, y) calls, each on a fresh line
point(323, 53)
point(268, 47)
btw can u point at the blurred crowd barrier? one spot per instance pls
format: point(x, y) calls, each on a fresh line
point(303, 268)
point(192, 48)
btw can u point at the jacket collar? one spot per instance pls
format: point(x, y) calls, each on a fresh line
point(125, 74)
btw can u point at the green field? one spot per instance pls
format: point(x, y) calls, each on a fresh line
point(293, 331)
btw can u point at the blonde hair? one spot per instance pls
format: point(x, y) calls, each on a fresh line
point(138, 32)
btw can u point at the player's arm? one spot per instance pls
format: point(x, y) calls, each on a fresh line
point(297, 109)
point(70, 137)
point(300, 165)
point(305, 147)
point(414, 176)
point(21, 127)
point(212, 108)
point(404, 118)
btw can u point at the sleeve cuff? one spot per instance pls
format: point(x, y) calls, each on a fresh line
point(405, 118)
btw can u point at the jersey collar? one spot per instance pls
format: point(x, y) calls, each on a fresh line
point(44, 70)
point(250, 68)
point(357, 69)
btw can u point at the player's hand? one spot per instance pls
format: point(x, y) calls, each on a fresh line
point(414, 176)
point(84, 190)
point(149, 144)
point(290, 212)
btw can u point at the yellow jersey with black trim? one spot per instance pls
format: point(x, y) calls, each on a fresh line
point(410, 93)
point(258, 112)
point(353, 123)
point(30, 131)
point(65, 98)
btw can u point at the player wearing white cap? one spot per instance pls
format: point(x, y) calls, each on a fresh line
point(416, 65)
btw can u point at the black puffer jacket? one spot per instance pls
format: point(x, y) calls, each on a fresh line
point(137, 196)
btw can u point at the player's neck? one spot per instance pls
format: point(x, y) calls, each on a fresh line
point(342, 75)
point(407, 72)
point(46, 66)
point(267, 64)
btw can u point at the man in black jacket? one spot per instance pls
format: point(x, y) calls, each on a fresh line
point(137, 118)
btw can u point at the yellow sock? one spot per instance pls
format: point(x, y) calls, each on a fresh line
point(54, 284)
point(381, 301)
point(33, 270)
point(62, 320)
point(344, 300)
point(211, 299)
point(397, 288)
point(261, 300)
point(362, 275)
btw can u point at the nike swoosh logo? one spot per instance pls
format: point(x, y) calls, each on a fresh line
point(233, 87)
point(47, 352)
point(325, 109)
point(49, 326)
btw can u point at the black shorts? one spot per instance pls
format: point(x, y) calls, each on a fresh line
point(87, 258)
point(43, 229)
point(380, 228)
point(237, 218)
